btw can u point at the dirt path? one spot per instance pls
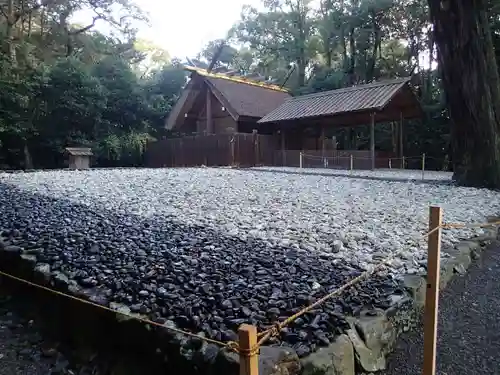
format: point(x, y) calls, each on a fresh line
point(469, 326)
point(22, 349)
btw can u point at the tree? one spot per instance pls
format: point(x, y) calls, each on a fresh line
point(471, 84)
point(282, 33)
point(68, 85)
point(153, 57)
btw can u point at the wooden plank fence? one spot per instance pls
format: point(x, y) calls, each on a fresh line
point(251, 149)
point(239, 149)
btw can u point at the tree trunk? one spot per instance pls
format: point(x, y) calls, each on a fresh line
point(471, 84)
point(344, 50)
point(342, 27)
point(9, 30)
point(301, 61)
point(370, 71)
point(28, 161)
point(352, 65)
point(328, 57)
point(301, 72)
point(325, 8)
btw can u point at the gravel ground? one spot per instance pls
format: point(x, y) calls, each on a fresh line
point(22, 349)
point(469, 326)
point(185, 276)
point(209, 249)
point(339, 216)
point(380, 174)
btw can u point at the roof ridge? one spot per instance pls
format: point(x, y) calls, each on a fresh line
point(204, 73)
point(363, 86)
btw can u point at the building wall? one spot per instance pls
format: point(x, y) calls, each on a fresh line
point(79, 162)
point(222, 122)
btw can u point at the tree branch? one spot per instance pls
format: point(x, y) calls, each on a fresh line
point(34, 8)
point(5, 14)
point(86, 28)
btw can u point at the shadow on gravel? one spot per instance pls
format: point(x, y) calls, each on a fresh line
point(194, 277)
point(332, 173)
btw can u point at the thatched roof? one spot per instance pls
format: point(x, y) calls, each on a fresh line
point(243, 98)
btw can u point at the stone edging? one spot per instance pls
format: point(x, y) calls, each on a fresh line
point(373, 335)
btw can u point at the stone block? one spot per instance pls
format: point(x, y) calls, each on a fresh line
point(272, 361)
point(278, 361)
point(416, 285)
point(367, 359)
point(378, 332)
point(336, 359)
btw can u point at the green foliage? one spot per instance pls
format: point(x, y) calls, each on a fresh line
point(97, 95)
point(67, 85)
point(342, 43)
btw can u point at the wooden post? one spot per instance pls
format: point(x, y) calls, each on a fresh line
point(390, 163)
point(301, 163)
point(255, 140)
point(401, 135)
point(231, 145)
point(182, 153)
point(432, 292)
point(351, 162)
point(283, 156)
point(209, 128)
point(238, 151)
point(322, 141)
point(372, 140)
point(403, 162)
point(249, 362)
point(423, 165)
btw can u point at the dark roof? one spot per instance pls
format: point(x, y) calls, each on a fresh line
point(372, 96)
point(247, 99)
point(79, 151)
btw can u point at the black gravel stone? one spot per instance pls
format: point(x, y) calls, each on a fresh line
point(194, 276)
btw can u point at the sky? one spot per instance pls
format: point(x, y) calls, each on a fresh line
point(183, 27)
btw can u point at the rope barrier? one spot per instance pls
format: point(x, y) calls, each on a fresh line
point(470, 226)
point(276, 329)
point(229, 344)
point(363, 157)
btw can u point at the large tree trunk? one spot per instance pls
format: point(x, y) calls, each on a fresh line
point(352, 65)
point(9, 31)
point(471, 84)
point(377, 40)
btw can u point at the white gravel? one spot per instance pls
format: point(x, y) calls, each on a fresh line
point(390, 174)
point(359, 219)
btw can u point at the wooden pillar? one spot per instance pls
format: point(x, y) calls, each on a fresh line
point(432, 291)
point(401, 135)
point(372, 140)
point(323, 138)
point(232, 148)
point(249, 362)
point(302, 138)
point(283, 153)
point(256, 152)
point(209, 127)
